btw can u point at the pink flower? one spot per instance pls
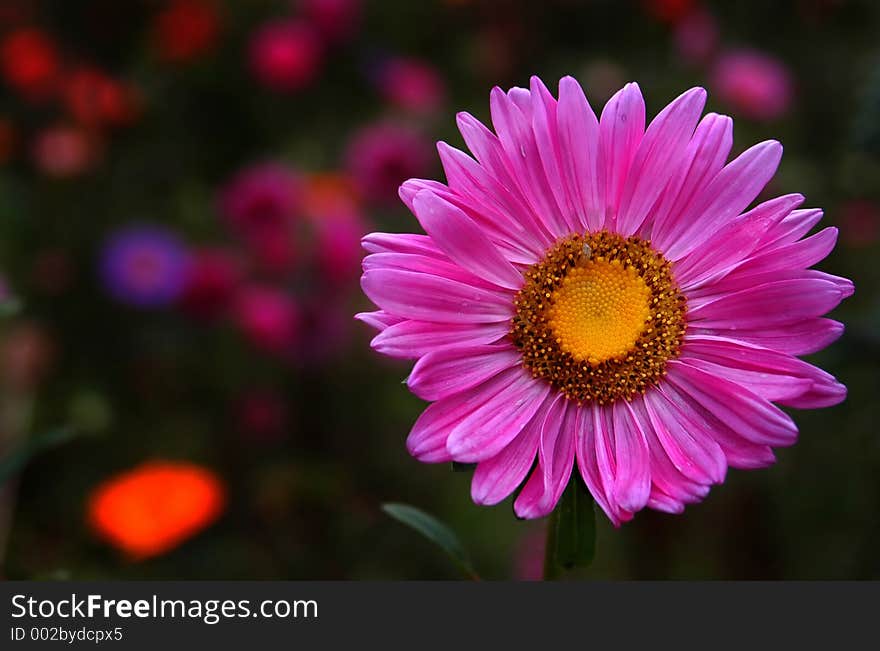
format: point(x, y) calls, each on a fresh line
point(753, 84)
point(212, 279)
point(285, 55)
point(696, 37)
point(65, 152)
point(262, 198)
point(412, 85)
point(337, 245)
point(381, 156)
point(269, 318)
point(336, 20)
point(596, 299)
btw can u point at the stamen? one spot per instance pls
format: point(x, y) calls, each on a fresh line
point(599, 317)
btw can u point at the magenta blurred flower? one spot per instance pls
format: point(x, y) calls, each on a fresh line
point(262, 198)
point(380, 157)
point(338, 250)
point(594, 296)
point(64, 151)
point(285, 55)
point(859, 223)
point(261, 414)
point(213, 277)
point(696, 37)
point(144, 266)
point(412, 85)
point(753, 84)
point(336, 20)
point(268, 317)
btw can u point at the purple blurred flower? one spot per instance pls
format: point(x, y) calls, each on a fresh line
point(144, 266)
point(754, 84)
point(261, 198)
point(382, 156)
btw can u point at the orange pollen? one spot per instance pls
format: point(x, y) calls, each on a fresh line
point(599, 317)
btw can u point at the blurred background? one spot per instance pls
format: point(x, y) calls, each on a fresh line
point(183, 184)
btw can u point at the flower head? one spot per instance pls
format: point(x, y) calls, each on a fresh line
point(268, 317)
point(153, 508)
point(753, 84)
point(144, 266)
point(598, 297)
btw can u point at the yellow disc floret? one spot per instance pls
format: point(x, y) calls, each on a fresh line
point(599, 317)
point(599, 310)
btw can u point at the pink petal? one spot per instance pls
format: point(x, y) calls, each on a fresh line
point(747, 414)
point(556, 455)
point(492, 425)
point(694, 454)
point(428, 438)
point(579, 138)
point(733, 243)
point(660, 153)
point(515, 134)
point(739, 452)
point(795, 255)
point(767, 372)
point(426, 265)
point(770, 304)
point(632, 481)
point(432, 298)
point(447, 371)
point(705, 155)
point(497, 211)
point(496, 478)
point(729, 193)
point(409, 243)
point(792, 228)
point(801, 338)
point(585, 448)
point(463, 241)
point(621, 128)
point(379, 320)
point(412, 339)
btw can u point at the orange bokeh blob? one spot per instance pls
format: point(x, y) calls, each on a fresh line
point(153, 508)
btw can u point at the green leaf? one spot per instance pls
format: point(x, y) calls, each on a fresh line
point(18, 459)
point(571, 532)
point(435, 531)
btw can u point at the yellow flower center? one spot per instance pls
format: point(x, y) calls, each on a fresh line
point(599, 317)
point(599, 310)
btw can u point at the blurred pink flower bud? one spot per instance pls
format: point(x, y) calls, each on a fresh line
point(285, 55)
point(268, 318)
point(412, 85)
point(753, 84)
point(64, 152)
point(382, 156)
point(212, 279)
point(696, 37)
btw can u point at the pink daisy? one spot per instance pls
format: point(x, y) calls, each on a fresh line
point(597, 296)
